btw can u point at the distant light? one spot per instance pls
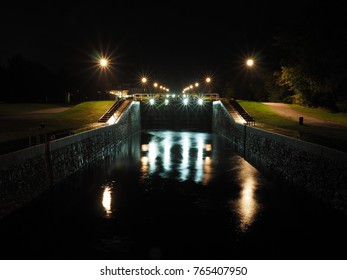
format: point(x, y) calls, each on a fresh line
point(151, 101)
point(155, 85)
point(144, 147)
point(208, 80)
point(103, 62)
point(200, 101)
point(250, 62)
point(185, 101)
point(166, 101)
point(144, 80)
point(196, 84)
point(208, 147)
point(173, 96)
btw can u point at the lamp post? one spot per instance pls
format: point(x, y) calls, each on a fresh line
point(208, 84)
point(103, 65)
point(144, 82)
point(250, 65)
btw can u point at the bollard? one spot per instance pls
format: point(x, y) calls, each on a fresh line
point(301, 120)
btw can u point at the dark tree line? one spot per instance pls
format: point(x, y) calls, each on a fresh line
point(308, 66)
point(23, 80)
point(312, 61)
point(313, 51)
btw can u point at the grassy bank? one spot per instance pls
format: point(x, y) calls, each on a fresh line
point(18, 120)
point(331, 137)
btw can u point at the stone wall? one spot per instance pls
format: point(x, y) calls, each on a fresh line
point(27, 173)
point(320, 170)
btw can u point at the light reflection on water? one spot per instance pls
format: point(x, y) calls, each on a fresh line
point(136, 202)
point(107, 200)
point(182, 156)
point(201, 158)
point(246, 206)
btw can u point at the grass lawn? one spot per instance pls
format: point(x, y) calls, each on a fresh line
point(20, 108)
point(267, 119)
point(15, 123)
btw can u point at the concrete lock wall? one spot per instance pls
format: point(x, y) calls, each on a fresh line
point(176, 116)
point(27, 173)
point(320, 170)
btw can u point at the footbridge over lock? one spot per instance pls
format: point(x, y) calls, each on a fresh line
point(177, 111)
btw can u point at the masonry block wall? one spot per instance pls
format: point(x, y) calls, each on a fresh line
point(319, 170)
point(27, 173)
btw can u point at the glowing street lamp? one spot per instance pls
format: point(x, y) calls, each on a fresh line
point(250, 62)
point(103, 62)
point(208, 81)
point(144, 82)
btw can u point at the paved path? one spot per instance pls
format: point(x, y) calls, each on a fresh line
point(287, 111)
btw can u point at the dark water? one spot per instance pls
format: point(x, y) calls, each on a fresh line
point(174, 195)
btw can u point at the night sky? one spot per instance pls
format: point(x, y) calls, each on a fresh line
point(174, 43)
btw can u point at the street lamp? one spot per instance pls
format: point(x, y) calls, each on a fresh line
point(103, 65)
point(155, 85)
point(144, 82)
point(249, 62)
point(103, 62)
point(208, 83)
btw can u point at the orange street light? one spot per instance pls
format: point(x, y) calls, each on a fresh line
point(103, 62)
point(250, 62)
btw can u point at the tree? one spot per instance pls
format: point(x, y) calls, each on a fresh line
point(313, 56)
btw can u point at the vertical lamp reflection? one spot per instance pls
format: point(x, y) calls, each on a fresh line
point(185, 156)
point(152, 156)
point(167, 154)
point(107, 200)
point(247, 205)
point(199, 161)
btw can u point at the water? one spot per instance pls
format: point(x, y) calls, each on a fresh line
point(174, 195)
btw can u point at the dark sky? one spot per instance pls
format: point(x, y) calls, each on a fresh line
point(174, 43)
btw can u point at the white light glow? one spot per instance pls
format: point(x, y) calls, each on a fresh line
point(152, 155)
point(199, 161)
point(103, 62)
point(167, 153)
point(247, 205)
point(185, 157)
point(106, 200)
point(111, 120)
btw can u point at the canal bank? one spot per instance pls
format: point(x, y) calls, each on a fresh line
point(317, 169)
point(25, 174)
